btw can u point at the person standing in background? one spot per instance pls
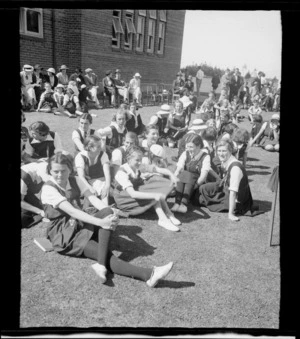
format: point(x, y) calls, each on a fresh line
point(199, 78)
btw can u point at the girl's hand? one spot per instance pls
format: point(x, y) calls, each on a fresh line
point(232, 217)
point(105, 191)
point(42, 213)
point(174, 179)
point(93, 191)
point(158, 196)
point(110, 222)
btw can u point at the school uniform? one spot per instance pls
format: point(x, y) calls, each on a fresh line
point(62, 79)
point(48, 100)
point(43, 149)
point(91, 84)
point(82, 135)
point(70, 103)
point(93, 171)
point(53, 80)
point(177, 121)
point(267, 137)
point(67, 235)
point(126, 177)
point(134, 123)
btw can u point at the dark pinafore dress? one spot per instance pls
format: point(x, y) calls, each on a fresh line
point(192, 168)
point(49, 101)
point(215, 196)
point(44, 149)
point(91, 132)
point(268, 137)
point(116, 140)
point(132, 206)
point(178, 121)
point(67, 235)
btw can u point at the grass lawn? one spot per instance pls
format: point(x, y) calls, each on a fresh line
point(225, 273)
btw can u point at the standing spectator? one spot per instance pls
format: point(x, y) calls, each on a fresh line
point(121, 87)
point(236, 82)
point(77, 77)
point(40, 80)
point(51, 77)
point(199, 78)
point(178, 85)
point(91, 84)
point(62, 76)
point(135, 88)
point(28, 83)
point(189, 91)
point(225, 81)
point(254, 91)
point(109, 87)
point(215, 80)
point(259, 79)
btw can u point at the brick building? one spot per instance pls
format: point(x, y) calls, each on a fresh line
point(144, 41)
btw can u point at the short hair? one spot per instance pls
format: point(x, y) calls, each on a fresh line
point(39, 126)
point(150, 127)
point(62, 158)
point(228, 143)
point(196, 140)
point(204, 117)
point(86, 116)
point(132, 150)
point(123, 106)
point(241, 136)
point(132, 136)
point(210, 134)
point(90, 142)
point(230, 128)
point(257, 118)
point(178, 102)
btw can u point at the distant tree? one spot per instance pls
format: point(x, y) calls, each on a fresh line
point(207, 70)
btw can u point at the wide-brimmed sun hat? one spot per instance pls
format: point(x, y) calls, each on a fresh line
point(117, 71)
point(164, 109)
point(60, 86)
point(158, 151)
point(88, 70)
point(137, 75)
point(275, 116)
point(63, 67)
point(51, 70)
point(27, 68)
point(198, 124)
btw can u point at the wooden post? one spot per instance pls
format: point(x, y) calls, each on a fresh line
point(273, 214)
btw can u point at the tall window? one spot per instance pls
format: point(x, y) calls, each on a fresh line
point(31, 22)
point(152, 14)
point(151, 35)
point(140, 30)
point(117, 28)
point(129, 29)
point(161, 31)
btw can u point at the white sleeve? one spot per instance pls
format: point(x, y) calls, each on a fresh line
point(41, 171)
point(104, 159)
point(57, 143)
point(206, 164)
point(122, 179)
point(236, 175)
point(153, 120)
point(75, 135)
point(82, 185)
point(116, 157)
point(104, 132)
point(181, 161)
point(51, 196)
point(79, 162)
point(76, 100)
point(24, 187)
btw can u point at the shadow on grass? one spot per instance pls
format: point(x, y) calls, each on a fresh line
point(194, 213)
point(257, 173)
point(264, 205)
point(134, 246)
point(257, 166)
point(175, 284)
point(252, 159)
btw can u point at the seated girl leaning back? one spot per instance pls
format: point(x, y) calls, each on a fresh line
point(135, 195)
point(92, 165)
point(73, 232)
point(192, 169)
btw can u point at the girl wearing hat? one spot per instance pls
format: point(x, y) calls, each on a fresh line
point(51, 77)
point(109, 88)
point(192, 170)
point(70, 106)
point(270, 132)
point(73, 232)
point(62, 76)
point(47, 102)
point(160, 120)
point(135, 88)
point(135, 192)
point(28, 83)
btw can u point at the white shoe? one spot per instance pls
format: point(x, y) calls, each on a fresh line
point(175, 208)
point(167, 224)
point(182, 209)
point(174, 220)
point(159, 273)
point(101, 271)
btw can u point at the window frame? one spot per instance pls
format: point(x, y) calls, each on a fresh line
point(129, 20)
point(161, 38)
point(23, 22)
point(140, 34)
point(142, 12)
point(118, 33)
point(163, 15)
point(152, 14)
point(151, 50)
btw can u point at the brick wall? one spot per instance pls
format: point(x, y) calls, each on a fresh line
point(83, 38)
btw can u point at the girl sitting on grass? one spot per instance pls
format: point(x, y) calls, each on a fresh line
point(152, 138)
point(192, 170)
point(254, 109)
point(240, 139)
point(76, 233)
point(82, 132)
point(135, 193)
point(92, 165)
point(47, 102)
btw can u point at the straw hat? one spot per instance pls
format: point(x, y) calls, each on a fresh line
point(63, 67)
point(27, 68)
point(197, 125)
point(52, 70)
point(60, 86)
point(137, 75)
point(88, 70)
point(164, 109)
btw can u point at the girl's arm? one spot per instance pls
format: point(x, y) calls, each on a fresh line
point(167, 172)
point(96, 202)
point(81, 175)
point(106, 223)
point(252, 141)
point(42, 99)
point(28, 207)
point(106, 171)
point(180, 164)
point(141, 195)
point(206, 167)
point(77, 141)
point(232, 203)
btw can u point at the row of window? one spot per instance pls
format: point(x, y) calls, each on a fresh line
point(31, 24)
point(154, 22)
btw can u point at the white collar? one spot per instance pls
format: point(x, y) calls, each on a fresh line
point(228, 162)
point(129, 170)
point(117, 127)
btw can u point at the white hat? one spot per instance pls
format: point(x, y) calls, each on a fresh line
point(52, 70)
point(28, 68)
point(158, 151)
point(164, 109)
point(60, 86)
point(137, 75)
point(275, 116)
point(88, 70)
point(83, 86)
point(198, 124)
